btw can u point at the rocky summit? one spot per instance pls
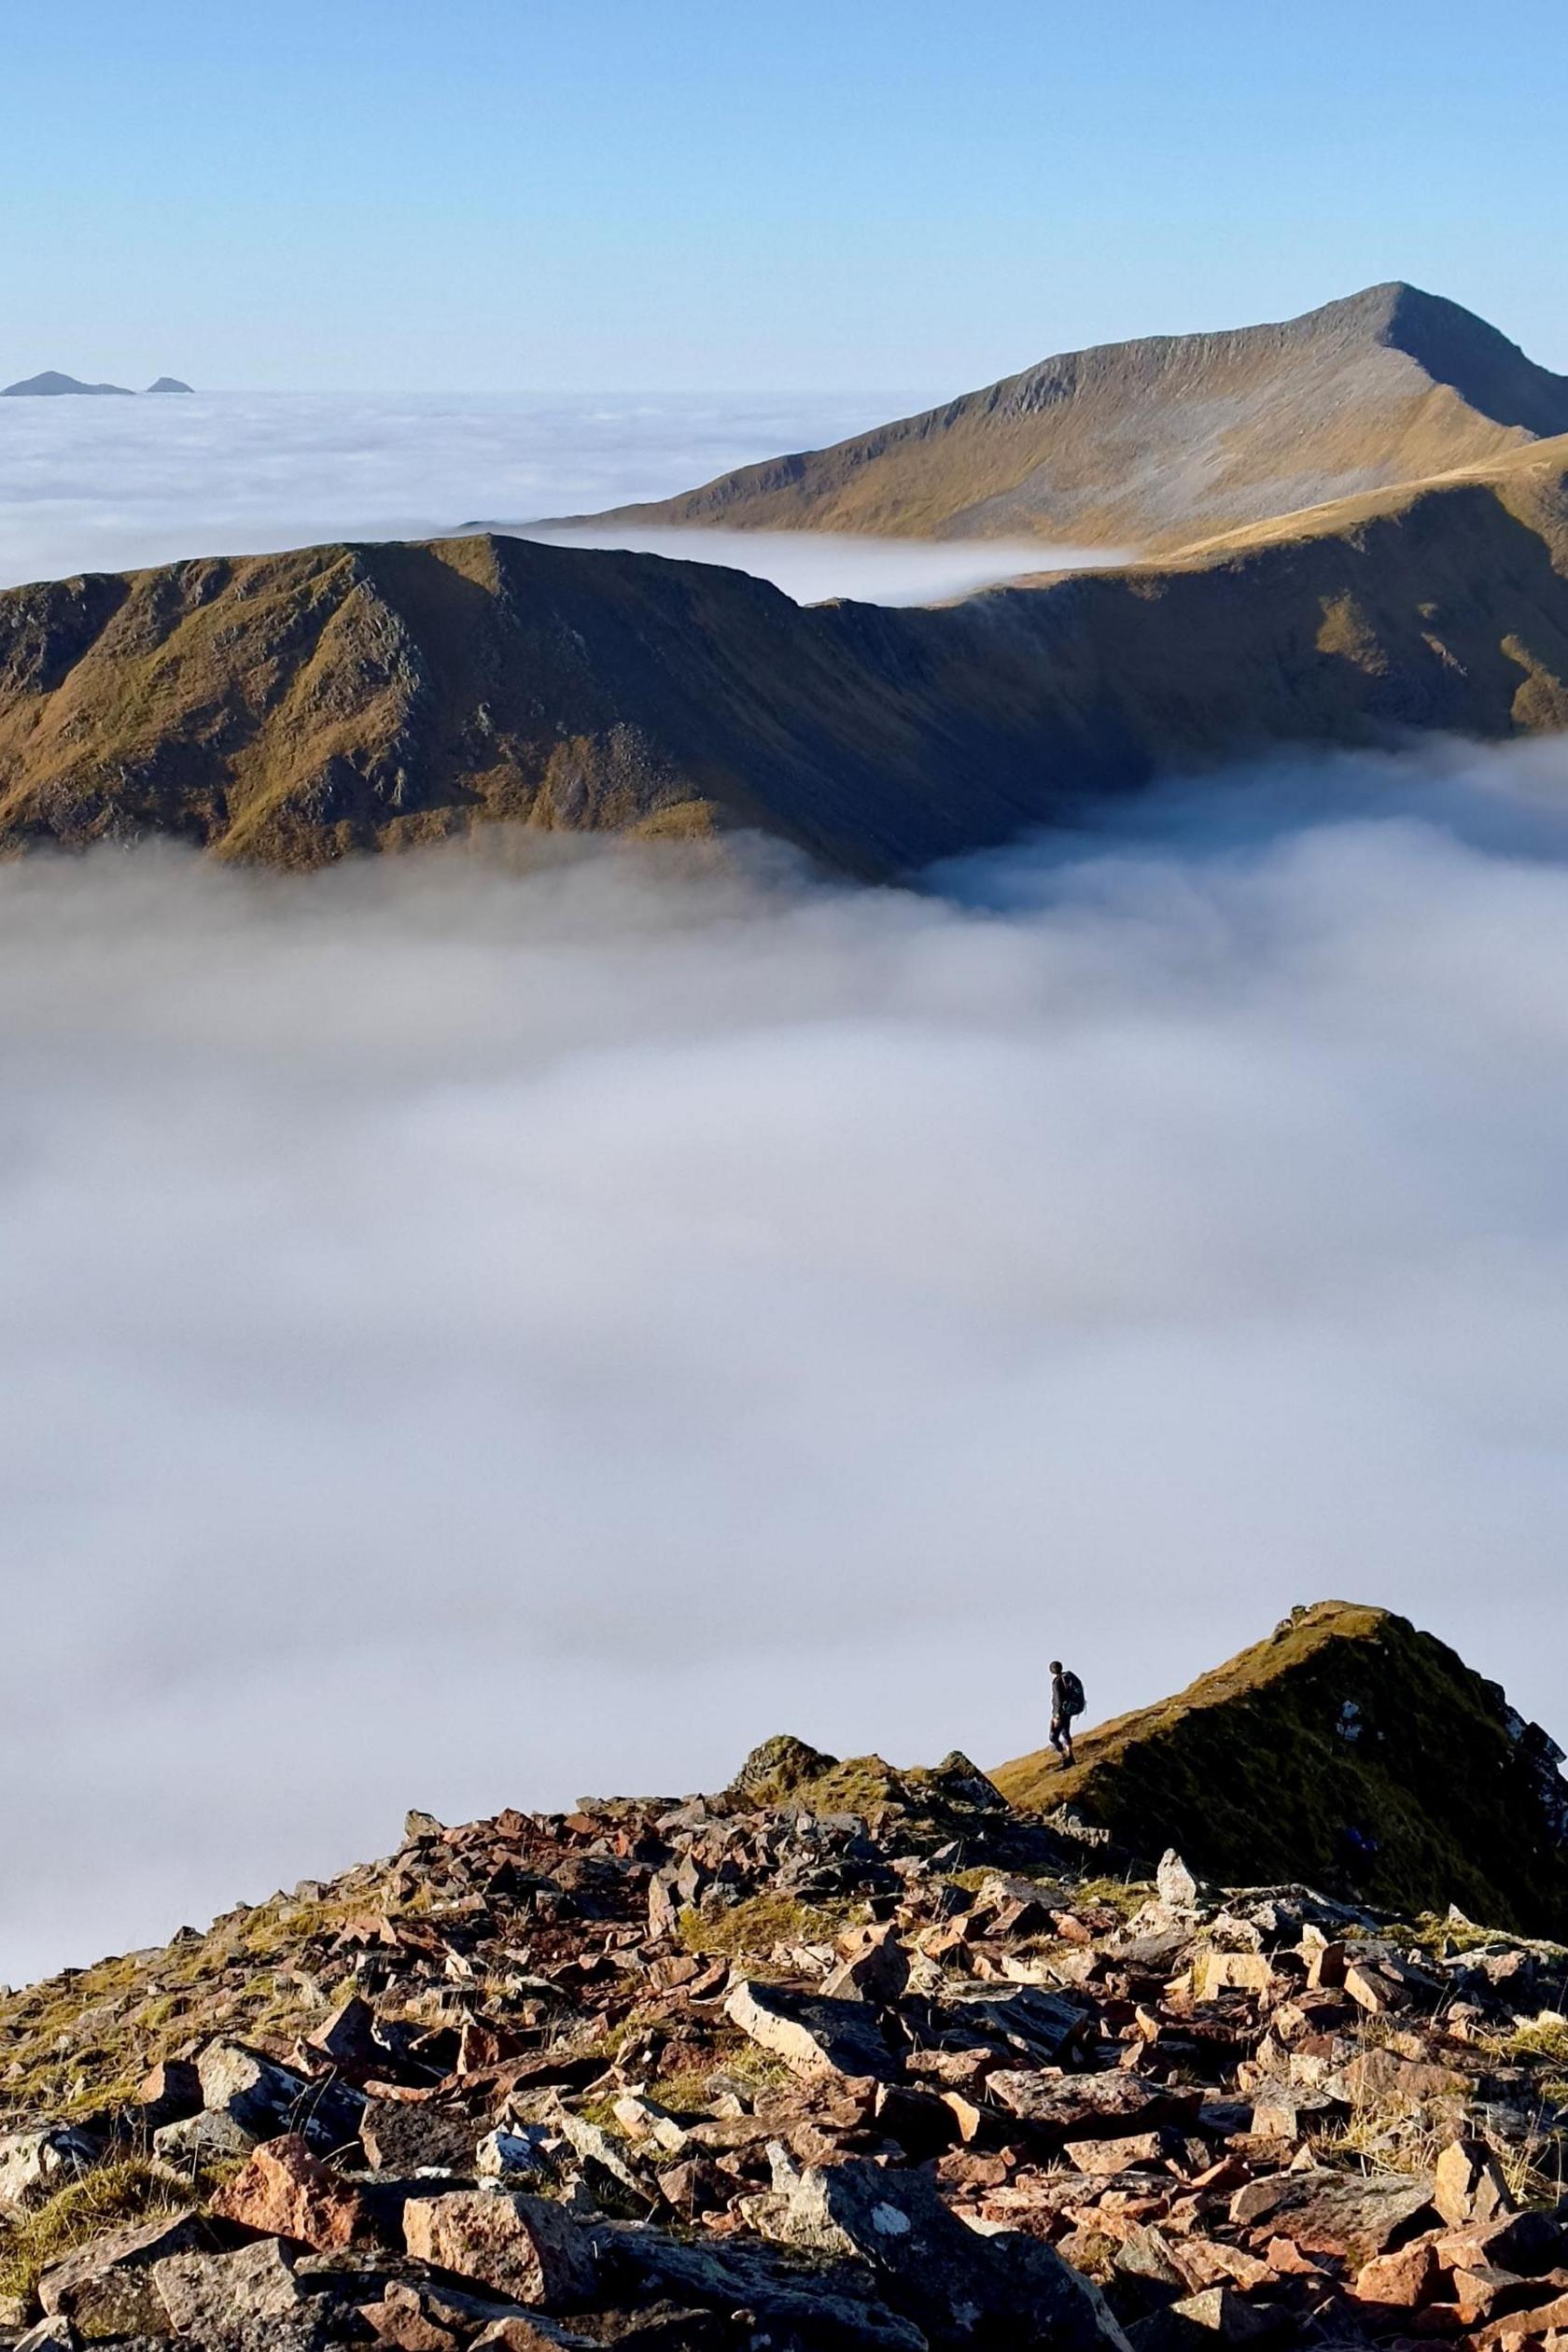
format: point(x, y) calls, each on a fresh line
point(838, 2057)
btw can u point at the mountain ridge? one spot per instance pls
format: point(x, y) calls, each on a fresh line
point(291, 708)
point(1157, 440)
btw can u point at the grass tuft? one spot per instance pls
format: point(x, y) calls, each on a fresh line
point(109, 2197)
point(752, 1927)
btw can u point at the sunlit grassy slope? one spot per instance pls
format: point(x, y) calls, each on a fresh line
point(1247, 1773)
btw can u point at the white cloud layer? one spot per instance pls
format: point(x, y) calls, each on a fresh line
point(106, 484)
point(475, 1336)
point(100, 484)
point(811, 566)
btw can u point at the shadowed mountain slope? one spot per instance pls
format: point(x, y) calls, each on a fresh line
point(291, 708)
point(1347, 1747)
point(1153, 443)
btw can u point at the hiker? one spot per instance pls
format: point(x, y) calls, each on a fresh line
point(1066, 1701)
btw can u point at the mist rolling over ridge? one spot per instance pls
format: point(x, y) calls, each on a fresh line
point(504, 1332)
point(101, 485)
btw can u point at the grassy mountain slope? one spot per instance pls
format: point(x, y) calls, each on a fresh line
point(1149, 444)
point(1248, 1773)
point(288, 708)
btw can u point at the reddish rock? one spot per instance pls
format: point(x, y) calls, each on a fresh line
point(1468, 2186)
point(1526, 2242)
point(523, 2247)
point(1401, 2281)
point(1488, 2292)
point(1138, 2149)
point(1219, 1972)
point(1332, 2212)
point(1081, 2105)
point(284, 2191)
point(873, 1966)
point(403, 2321)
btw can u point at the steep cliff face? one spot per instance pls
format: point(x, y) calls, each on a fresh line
point(1349, 1750)
point(289, 708)
point(1156, 442)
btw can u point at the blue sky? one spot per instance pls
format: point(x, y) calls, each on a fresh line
point(672, 194)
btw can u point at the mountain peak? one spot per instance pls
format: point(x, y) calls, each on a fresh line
point(1171, 439)
point(1347, 1748)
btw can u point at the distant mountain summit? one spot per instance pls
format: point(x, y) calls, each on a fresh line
point(1163, 441)
point(51, 384)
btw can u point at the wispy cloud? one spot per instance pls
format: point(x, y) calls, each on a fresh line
point(472, 1335)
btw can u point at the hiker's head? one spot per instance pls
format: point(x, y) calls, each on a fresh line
point(1055, 1665)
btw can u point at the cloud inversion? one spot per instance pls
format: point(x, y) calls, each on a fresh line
point(475, 1331)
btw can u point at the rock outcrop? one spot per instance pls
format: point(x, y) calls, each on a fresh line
point(840, 2057)
point(1154, 443)
point(290, 709)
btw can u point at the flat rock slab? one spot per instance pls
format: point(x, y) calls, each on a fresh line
point(402, 2136)
point(1035, 2022)
point(1334, 2212)
point(107, 2289)
point(208, 2295)
point(811, 2034)
point(835, 2307)
point(959, 2285)
point(1091, 2105)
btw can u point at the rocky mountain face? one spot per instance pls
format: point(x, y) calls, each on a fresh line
point(839, 2057)
point(292, 708)
point(1156, 443)
point(1347, 1749)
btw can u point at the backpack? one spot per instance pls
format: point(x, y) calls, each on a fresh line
point(1073, 1694)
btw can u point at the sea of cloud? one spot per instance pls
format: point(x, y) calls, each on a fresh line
point(106, 484)
point(476, 1331)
